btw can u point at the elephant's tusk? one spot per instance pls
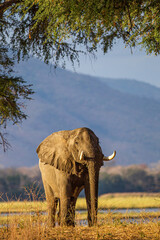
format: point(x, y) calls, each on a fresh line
point(110, 157)
point(81, 156)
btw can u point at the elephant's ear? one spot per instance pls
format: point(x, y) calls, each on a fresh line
point(54, 151)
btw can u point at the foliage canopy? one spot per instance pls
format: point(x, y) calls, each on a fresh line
point(13, 92)
point(55, 30)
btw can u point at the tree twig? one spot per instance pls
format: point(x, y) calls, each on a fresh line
point(6, 4)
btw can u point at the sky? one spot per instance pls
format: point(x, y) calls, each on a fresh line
point(121, 63)
point(118, 63)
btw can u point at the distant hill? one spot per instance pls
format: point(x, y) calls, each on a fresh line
point(124, 114)
point(134, 87)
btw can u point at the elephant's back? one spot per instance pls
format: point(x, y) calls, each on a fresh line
point(61, 136)
point(56, 144)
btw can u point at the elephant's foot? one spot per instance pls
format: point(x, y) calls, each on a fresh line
point(59, 218)
point(91, 222)
point(67, 224)
point(68, 221)
point(51, 224)
point(51, 220)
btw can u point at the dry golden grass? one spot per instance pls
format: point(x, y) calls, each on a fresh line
point(26, 225)
point(36, 228)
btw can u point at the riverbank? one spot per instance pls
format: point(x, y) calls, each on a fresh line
point(109, 201)
point(81, 216)
point(27, 220)
point(36, 227)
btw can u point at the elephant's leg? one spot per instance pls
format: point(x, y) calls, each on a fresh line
point(87, 194)
point(52, 203)
point(59, 214)
point(71, 212)
point(67, 211)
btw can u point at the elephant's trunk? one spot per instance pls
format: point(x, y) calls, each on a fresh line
point(91, 191)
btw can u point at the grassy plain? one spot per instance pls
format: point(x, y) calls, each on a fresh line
point(29, 223)
point(109, 201)
point(126, 202)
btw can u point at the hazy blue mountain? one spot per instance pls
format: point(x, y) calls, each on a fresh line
point(122, 118)
point(134, 87)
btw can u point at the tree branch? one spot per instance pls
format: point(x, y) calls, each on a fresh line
point(5, 144)
point(6, 4)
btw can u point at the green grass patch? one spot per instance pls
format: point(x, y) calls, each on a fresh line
point(126, 202)
point(109, 202)
point(22, 206)
point(129, 202)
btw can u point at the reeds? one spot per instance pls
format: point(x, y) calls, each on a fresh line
point(35, 227)
point(30, 221)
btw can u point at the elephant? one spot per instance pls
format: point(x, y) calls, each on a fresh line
point(70, 161)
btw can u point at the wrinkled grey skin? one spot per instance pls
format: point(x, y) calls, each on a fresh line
point(65, 173)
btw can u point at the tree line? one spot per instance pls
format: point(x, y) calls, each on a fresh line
point(14, 184)
point(131, 179)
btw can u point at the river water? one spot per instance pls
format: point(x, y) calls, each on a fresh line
point(127, 219)
point(135, 210)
